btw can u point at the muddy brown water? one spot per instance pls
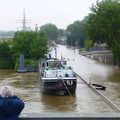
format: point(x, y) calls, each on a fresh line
point(27, 87)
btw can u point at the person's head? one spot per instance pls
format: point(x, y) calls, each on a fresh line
point(6, 92)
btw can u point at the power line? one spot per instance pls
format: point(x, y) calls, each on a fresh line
point(24, 22)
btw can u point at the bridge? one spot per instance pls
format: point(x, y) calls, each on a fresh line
point(70, 116)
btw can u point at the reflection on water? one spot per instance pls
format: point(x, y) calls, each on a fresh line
point(27, 86)
point(58, 103)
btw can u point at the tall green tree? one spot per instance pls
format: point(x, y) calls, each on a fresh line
point(76, 34)
point(50, 30)
point(31, 44)
point(88, 44)
point(39, 46)
point(6, 58)
point(61, 32)
point(5, 51)
point(104, 25)
point(22, 43)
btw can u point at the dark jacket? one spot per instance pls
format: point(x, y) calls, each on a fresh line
point(10, 108)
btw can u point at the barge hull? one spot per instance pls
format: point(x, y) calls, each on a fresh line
point(56, 86)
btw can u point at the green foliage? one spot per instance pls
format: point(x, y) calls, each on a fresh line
point(28, 63)
point(50, 30)
point(6, 64)
point(61, 32)
point(31, 62)
point(22, 43)
point(104, 25)
point(88, 44)
point(76, 34)
point(5, 51)
point(6, 60)
point(31, 44)
point(39, 46)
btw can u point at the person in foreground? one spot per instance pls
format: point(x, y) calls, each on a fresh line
point(10, 105)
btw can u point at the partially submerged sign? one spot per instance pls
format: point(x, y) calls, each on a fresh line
point(21, 64)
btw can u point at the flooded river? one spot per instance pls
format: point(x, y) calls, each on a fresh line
point(26, 85)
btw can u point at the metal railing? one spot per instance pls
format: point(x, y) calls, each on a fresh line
point(110, 103)
point(70, 116)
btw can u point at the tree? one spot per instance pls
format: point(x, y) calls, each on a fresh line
point(5, 51)
point(39, 46)
point(61, 32)
point(22, 43)
point(50, 30)
point(104, 25)
point(6, 58)
point(31, 44)
point(76, 34)
point(88, 44)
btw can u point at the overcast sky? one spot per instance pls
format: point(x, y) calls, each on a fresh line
point(58, 12)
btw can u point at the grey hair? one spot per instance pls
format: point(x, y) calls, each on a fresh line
point(6, 91)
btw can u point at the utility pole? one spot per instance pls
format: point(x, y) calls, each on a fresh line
point(36, 28)
point(24, 22)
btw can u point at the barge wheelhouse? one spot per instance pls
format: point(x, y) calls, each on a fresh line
point(57, 77)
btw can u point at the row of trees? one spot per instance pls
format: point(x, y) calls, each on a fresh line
point(76, 34)
point(52, 32)
point(33, 45)
point(5, 51)
point(102, 25)
point(6, 59)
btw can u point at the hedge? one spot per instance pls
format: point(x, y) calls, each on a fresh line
point(6, 64)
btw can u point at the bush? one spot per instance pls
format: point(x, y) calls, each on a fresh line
point(6, 64)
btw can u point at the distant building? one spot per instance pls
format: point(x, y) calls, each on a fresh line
point(7, 35)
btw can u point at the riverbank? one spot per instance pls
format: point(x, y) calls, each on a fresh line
point(105, 57)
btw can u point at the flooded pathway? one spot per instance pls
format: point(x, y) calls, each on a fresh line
point(27, 86)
